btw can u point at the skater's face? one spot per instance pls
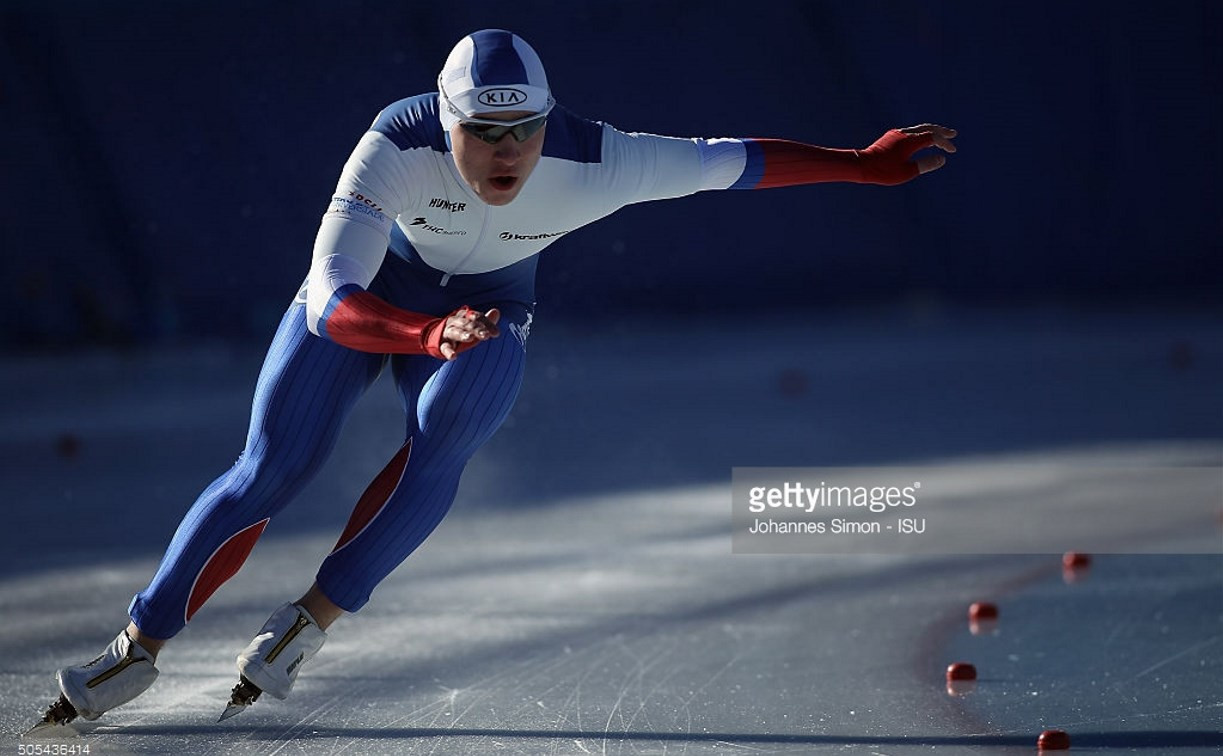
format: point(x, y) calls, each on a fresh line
point(496, 172)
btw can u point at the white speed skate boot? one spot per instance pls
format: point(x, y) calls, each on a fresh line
point(123, 671)
point(270, 664)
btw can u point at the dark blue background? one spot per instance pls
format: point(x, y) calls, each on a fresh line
point(165, 164)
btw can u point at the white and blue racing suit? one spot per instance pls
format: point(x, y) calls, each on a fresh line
point(404, 227)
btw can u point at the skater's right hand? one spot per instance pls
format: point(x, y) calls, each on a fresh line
point(463, 329)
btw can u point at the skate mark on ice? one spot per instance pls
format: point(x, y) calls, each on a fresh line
point(640, 670)
point(1196, 647)
point(288, 736)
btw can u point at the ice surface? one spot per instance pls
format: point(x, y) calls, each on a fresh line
point(582, 597)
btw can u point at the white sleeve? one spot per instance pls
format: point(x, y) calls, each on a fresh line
point(352, 238)
point(648, 166)
point(345, 252)
point(722, 162)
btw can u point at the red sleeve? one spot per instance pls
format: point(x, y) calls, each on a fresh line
point(780, 162)
point(359, 320)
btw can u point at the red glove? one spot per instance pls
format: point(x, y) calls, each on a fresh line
point(362, 321)
point(433, 336)
point(887, 160)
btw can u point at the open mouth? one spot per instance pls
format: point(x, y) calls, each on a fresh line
point(503, 182)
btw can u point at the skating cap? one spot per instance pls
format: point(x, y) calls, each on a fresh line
point(490, 71)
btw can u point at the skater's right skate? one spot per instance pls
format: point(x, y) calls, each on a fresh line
point(270, 664)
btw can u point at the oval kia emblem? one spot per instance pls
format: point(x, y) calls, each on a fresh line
point(502, 97)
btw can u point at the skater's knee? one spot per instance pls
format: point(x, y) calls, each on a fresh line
point(461, 421)
point(273, 470)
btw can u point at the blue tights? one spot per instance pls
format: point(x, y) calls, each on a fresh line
point(306, 389)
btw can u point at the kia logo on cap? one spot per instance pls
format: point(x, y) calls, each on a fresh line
point(502, 97)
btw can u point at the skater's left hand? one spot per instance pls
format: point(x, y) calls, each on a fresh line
point(887, 160)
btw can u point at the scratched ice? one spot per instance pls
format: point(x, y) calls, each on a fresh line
point(582, 597)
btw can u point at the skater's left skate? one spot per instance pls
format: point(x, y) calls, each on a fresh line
point(270, 664)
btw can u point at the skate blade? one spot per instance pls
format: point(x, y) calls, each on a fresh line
point(232, 710)
point(244, 694)
point(51, 731)
point(54, 723)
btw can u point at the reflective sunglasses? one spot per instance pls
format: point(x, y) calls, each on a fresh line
point(490, 131)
